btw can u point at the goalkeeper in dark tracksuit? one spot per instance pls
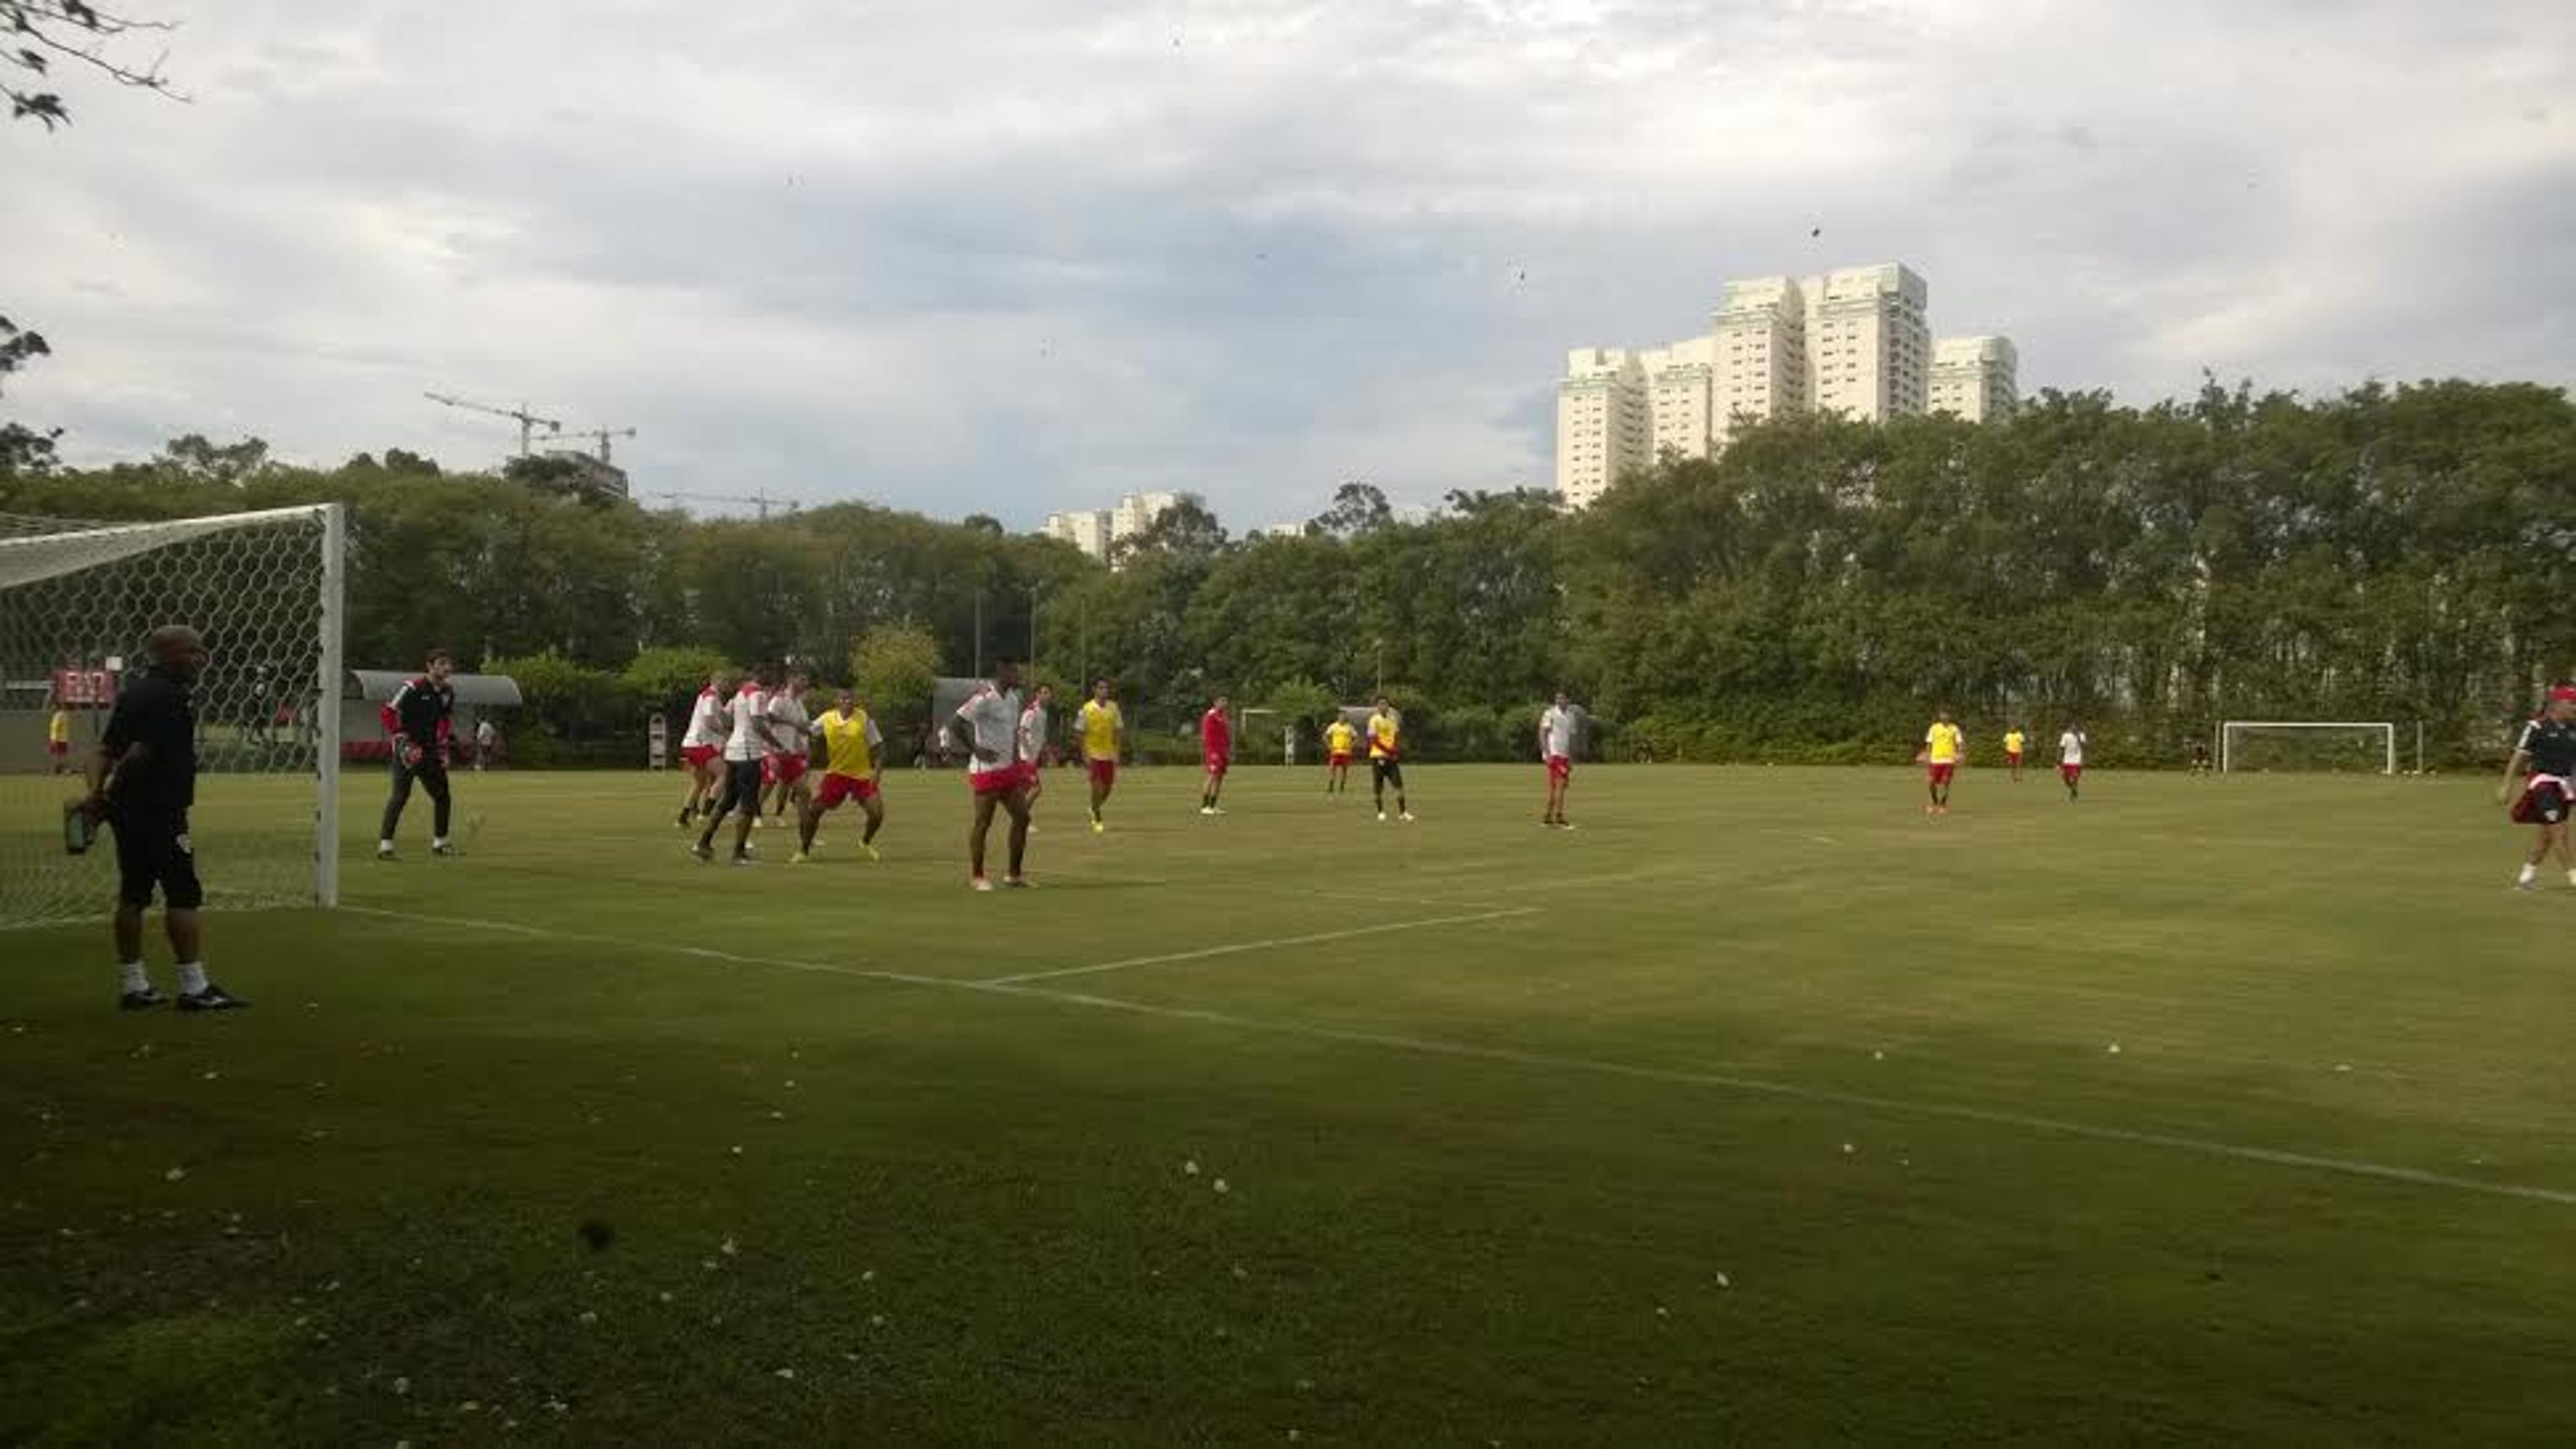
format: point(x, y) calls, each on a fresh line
point(420, 717)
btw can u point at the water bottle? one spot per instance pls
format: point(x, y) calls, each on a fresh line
point(78, 829)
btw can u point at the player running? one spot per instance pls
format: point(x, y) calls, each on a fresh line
point(702, 748)
point(750, 741)
point(1339, 741)
point(2548, 750)
point(1386, 756)
point(1942, 746)
point(1035, 721)
point(1557, 726)
point(853, 769)
point(421, 716)
point(1216, 745)
point(2070, 759)
point(2014, 739)
point(1104, 736)
point(988, 725)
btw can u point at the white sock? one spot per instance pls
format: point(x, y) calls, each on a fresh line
point(384, 847)
point(135, 979)
point(2530, 872)
point(438, 843)
point(192, 977)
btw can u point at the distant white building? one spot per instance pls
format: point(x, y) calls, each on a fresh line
point(1869, 350)
point(1975, 378)
point(1281, 530)
point(1086, 529)
point(1602, 429)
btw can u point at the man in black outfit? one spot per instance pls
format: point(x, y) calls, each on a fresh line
point(141, 783)
point(419, 717)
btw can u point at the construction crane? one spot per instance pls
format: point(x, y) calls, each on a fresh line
point(526, 419)
point(603, 434)
point(760, 501)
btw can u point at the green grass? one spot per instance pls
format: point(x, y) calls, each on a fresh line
point(1484, 1177)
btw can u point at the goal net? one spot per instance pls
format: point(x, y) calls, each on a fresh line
point(76, 600)
point(2367, 746)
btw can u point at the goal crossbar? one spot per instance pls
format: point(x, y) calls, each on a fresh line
point(2228, 730)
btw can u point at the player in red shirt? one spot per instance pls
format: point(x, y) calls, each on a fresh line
point(1216, 742)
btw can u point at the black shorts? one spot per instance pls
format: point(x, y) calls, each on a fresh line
point(157, 853)
point(743, 785)
point(1387, 772)
point(2541, 804)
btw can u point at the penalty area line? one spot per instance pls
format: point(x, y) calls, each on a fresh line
point(1548, 1061)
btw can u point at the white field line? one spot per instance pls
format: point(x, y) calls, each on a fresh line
point(1238, 948)
point(1468, 1051)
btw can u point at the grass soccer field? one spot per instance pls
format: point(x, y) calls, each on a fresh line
point(1758, 1109)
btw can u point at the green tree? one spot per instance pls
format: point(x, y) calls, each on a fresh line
point(893, 667)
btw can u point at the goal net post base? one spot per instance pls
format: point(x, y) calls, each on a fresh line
point(2368, 746)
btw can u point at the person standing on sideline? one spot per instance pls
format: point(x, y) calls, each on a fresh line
point(485, 739)
point(421, 717)
point(2014, 739)
point(1339, 741)
point(1558, 726)
point(141, 784)
point(748, 744)
point(1386, 756)
point(1216, 747)
point(988, 726)
point(2070, 759)
point(2547, 749)
point(1104, 736)
point(58, 738)
point(1941, 749)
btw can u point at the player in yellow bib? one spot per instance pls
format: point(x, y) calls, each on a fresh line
point(2014, 739)
point(1943, 746)
point(1340, 741)
point(853, 769)
point(58, 739)
point(1386, 756)
point(1104, 737)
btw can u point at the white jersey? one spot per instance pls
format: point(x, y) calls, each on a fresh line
point(789, 724)
point(706, 722)
point(2070, 747)
point(749, 704)
point(1559, 724)
point(1033, 732)
point(993, 718)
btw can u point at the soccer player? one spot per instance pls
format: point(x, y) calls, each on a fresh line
point(988, 726)
point(58, 738)
point(1941, 749)
point(2070, 759)
point(1104, 735)
point(2199, 756)
point(702, 748)
point(749, 742)
point(793, 728)
point(1035, 721)
point(1386, 756)
point(1339, 741)
point(141, 783)
point(1557, 725)
point(2014, 739)
point(2548, 750)
point(853, 769)
point(1216, 745)
point(420, 717)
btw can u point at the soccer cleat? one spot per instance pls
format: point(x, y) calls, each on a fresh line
point(441, 847)
point(1207, 810)
point(685, 814)
point(743, 857)
point(1406, 816)
point(213, 998)
point(799, 858)
point(2526, 885)
point(870, 850)
point(979, 883)
point(1097, 828)
point(1381, 817)
point(385, 851)
point(143, 1000)
point(1016, 882)
point(701, 852)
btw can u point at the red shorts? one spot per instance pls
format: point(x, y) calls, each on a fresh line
point(1941, 771)
point(2070, 773)
point(58, 748)
point(1002, 778)
point(2013, 758)
point(1560, 767)
point(1104, 772)
point(1216, 764)
point(782, 769)
point(837, 788)
point(1339, 760)
point(698, 755)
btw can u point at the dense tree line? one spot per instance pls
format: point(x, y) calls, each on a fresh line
point(1813, 594)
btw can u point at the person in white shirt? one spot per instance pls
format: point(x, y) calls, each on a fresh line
point(750, 741)
point(1558, 727)
point(1035, 721)
point(485, 737)
point(987, 725)
point(702, 748)
point(793, 728)
point(2070, 759)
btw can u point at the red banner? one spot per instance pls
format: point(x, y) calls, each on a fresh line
point(92, 687)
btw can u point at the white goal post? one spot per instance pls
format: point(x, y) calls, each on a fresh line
point(2230, 730)
point(267, 590)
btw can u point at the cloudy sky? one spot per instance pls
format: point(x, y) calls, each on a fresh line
point(1010, 256)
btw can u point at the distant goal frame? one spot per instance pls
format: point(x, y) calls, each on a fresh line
point(2227, 736)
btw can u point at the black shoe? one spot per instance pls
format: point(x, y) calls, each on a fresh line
point(143, 1000)
point(686, 818)
point(701, 851)
point(213, 998)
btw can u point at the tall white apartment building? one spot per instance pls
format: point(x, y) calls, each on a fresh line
point(1602, 428)
point(1136, 512)
point(1759, 348)
point(1680, 393)
point(1086, 529)
point(1975, 378)
point(1869, 348)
